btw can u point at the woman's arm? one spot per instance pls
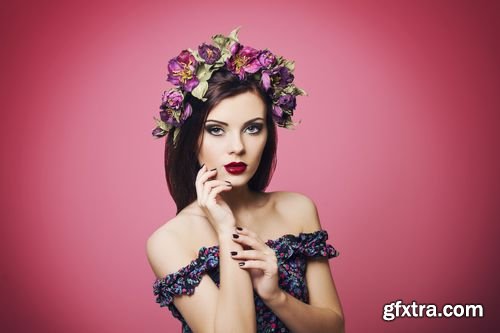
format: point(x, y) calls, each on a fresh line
point(235, 303)
point(208, 309)
point(300, 317)
point(324, 312)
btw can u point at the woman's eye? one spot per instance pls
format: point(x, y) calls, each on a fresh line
point(214, 130)
point(254, 129)
point(217, 131)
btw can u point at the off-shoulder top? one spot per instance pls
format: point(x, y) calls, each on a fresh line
point(291, 251)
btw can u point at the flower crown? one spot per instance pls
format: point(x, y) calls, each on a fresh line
point(191, 70)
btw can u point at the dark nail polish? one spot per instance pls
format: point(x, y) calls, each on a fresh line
point(213, 169)
point(240, 229)
point(233, 253)
point(236, 236)
point(241, 263)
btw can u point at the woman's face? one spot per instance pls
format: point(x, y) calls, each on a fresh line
point(235, 131)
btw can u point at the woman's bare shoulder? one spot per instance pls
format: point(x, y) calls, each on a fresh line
point(299, 208)
point(294, 201)
point(173, 244)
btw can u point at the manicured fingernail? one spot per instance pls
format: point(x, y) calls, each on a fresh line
point(240, 229)
point(241, 263)
point(202, 166)
point(236, 236)
point(233, 253)
point(213, 169)
point(228, 183)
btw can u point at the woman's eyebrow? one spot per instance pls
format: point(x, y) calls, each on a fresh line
point(247, 122)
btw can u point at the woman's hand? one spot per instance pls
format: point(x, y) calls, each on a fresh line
point(218, 212)
point(260, 261)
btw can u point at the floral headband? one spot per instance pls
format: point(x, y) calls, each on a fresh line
point(191, 70)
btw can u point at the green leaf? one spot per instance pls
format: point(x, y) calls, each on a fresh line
point(289, 89)
point(219, 41)
point(289, 64)
point(217, 65)
point(234, 34)
point(176, 133)
point(177, 116)
point(196, 55)
point(222, 42)
point(224, 56)
point(202, 71)
point(289, 124)
point(164, 126)
point(301, 91)
point(209, 74)
point(200, 90)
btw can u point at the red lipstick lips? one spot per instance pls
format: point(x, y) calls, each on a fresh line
point(235, 168)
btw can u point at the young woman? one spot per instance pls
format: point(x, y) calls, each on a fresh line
point(236, 258)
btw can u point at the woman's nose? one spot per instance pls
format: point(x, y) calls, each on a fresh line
point(236, 144)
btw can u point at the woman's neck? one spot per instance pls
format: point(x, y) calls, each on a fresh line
point(241, 199)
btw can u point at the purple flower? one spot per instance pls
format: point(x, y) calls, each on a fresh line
point(172, 99)
point(282, 77)
point(266, 80)
point(244, 59)
point(182, 71)
point(277, 111)
point(186, 113)
point(266, 58)
point(159, 132)
point(287, 102)
point(209, 53)
point(167, 116)
point(276, 77)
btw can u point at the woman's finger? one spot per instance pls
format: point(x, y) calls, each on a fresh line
point(259, 264)
point(208, 187)
point(203, 175)
point(249, 255)
point(203, 189)
point(198, 185)
point(215, 182)
point(253, 242)
point(216, 190)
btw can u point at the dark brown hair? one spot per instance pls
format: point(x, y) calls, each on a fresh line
point(181, 160)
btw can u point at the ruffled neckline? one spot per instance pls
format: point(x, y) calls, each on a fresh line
point(280, 239)
point(307, 243)
point(286, 247)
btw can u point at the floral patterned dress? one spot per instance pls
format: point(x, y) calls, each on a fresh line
point(292, 252)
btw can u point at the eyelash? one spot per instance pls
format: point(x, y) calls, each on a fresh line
point(257, 126)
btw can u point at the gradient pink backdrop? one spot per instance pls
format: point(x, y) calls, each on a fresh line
point(398, 147)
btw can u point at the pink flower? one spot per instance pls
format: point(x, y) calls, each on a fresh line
point(276, 77)
point(267, 59)
point(209, 53)
point(172, 99)
point(244, 59)
point(182, 71)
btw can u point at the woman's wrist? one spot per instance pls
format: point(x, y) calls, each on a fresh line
point(276, 300)
point(226, 230)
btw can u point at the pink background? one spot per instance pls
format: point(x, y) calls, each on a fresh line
point(398, 148)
